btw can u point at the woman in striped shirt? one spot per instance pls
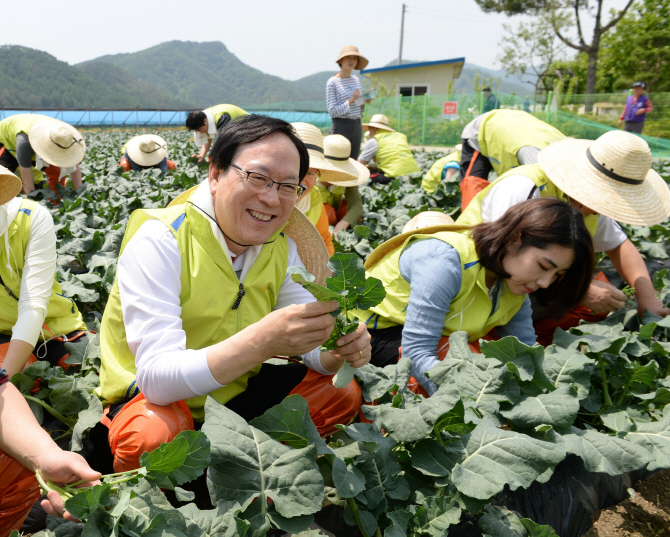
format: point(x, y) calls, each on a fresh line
point(342, 90)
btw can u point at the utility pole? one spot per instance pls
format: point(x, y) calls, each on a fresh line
point(402, 29)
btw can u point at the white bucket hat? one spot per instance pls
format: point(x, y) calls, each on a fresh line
point(57, 143)
point(338, 149)
point(611, 175)
point(380, 121)
point(10, 185)
point(147, 149)
point(313, 139)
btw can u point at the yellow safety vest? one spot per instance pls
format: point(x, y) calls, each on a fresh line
point(470, 310)
point(62, 316)
point(316, 201)
point(331, 197)
point(473, 213)
point(12, 126)
point(230, 109)
point(209, 291)
point(503, 132)
point(394, 157)
point(434, 175)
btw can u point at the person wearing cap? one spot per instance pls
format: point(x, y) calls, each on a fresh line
point(442, 170)
point(636, 109)
point(441, 278)
point(389, 148)
point(492, 102)
point(36, 319)
point(202, 299)
point(310, 201)
point(33, 144)
point(340, 195)
point(608, 180)
point(144, 152)
point(25, 448)
point(499, 141)
point(342, 95)
point(208, 122)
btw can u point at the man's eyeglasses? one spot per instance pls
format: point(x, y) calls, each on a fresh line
point(261, 183)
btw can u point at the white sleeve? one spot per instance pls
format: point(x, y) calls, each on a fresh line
point(149, 282)
point(38, 277)
point(200, 138)
point(505, 194)
point(608, 236)
point(294, 293)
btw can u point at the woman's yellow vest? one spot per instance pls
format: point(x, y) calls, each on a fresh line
point(14, 125)
point(209, 292)
point(503, 132)
point(393, 156)
point(434, 175)
point(473, 212)
point(470, 310)
point(316, 201)
point(62, 316)
point(330, 197)
point(230, 109)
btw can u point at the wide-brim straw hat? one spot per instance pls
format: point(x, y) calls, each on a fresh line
point(428, 219)
point(351, 50)
point(313, 139)
point(311, 248)
point(397, 241)
point(147, 149)
point(57, 143)
point(611, 175)
point(10, 185)
point(338, 149)
point(380, 121)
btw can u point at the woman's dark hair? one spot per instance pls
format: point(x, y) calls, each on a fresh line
point(249, 129)
point(195, 120)
point(541, 223)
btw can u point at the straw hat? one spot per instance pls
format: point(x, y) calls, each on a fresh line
point(57, 143)
point(611, 175)
point(428, 219)
point(313, 139)
point(399, 240)
point(10, 185)
point(351, 50)
point(147, 149)
point(380, 121)
point(338, 149)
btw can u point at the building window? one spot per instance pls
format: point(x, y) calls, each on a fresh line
point(413, 90)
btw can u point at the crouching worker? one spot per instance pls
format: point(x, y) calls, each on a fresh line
point(24, 448)
point(389, 148)
point(202, 299)
point(442, 279)
point(442, 170)
point(36, 319)
point(144, 152)
point(208, 122)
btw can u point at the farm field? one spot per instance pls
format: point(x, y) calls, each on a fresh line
point(501, 421)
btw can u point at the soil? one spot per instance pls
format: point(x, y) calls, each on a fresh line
point(647, 515)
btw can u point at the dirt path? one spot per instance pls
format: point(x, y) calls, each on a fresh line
point(648, 515)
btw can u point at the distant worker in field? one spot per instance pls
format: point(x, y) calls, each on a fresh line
point(340, 195)
point(144, 152)
point(208, 122)
point(607, 180)
point(500, 140)
point(39, 145)
point(320, 169)
point(636, 109)
point(492, 102)
point(389, 149)
point(442, 170)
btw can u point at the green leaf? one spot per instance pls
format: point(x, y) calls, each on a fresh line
point(536, 530)
point(598, 338)
point(304, 278)
point(71, 394)
point(223, 521)
point(376, 381)
point(86, 420)
point(558, 409)
point(147, 504)
point(655, 438)
point(501, 523)
point(344, 376)
point(372, 294)
point(81, 504)
point(509, 350)
point(348, 274)
point(362, 231)
point(435, 516)
point(368, 521)
point(182, 460)
point(431, 458)
point(399, 520)
point(184, 495)
point(562, 367)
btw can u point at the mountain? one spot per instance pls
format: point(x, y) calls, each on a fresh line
point(315, 84)
point(34, 79)
point(204, 74)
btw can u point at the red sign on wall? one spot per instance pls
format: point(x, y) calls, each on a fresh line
point(450, 109)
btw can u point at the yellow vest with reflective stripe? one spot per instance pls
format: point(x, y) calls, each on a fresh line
point(434, 175)
point(230, 109)
point(209, 290)
point(473, 212)
point(503, 132)
point(331, 197)
point(14, 125)
point(62, 316)
point(316, 206)
point(393, 156)
point(470, 310)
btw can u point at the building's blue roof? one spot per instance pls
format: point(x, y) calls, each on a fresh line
point(412, 65)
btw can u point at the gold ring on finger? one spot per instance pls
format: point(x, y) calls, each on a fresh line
point(360, 353)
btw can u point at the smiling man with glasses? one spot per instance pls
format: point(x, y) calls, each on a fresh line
point(202, 299)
